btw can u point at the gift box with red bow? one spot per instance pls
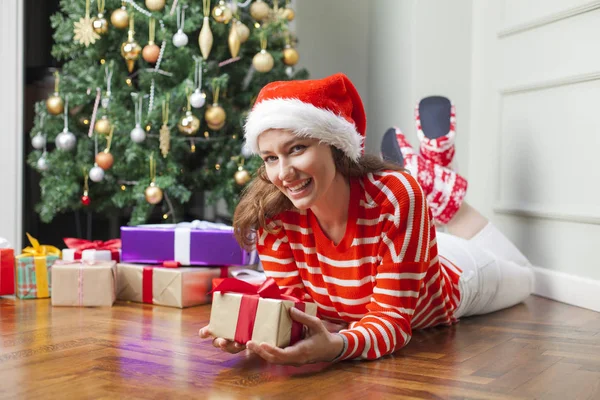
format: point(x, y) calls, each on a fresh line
point(242, 311)
point(92, 250)
point(172, 287)
point(83, 283)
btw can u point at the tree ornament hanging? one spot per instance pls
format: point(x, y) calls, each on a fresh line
point(85, 198)
point(103, 126)
point(259, 10)
point(55, 104)
point(180, 39)
point(288, 12)
point(119, 18)
point(189, 123)
point(38, 142)
point(198, 98)
point(99, 23)
point(290, 54)
point(222, 13)
point(104, 159)
point(66, 140)
point(242, 30)
point(155, 5)
point(96, 173)
point(234, 41)
point(263, 61)
point(130, 50)
point(205, 39)
point(42, 163)
point(151, 51)
point(83, 29)
point(165, 132)
point(153, 193)
point(137, 134)
point(215, 115)
point(241, 176)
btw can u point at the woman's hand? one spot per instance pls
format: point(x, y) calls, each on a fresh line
point(228, 346)
point(319, 345)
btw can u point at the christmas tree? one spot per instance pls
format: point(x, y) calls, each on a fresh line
point(151, 99)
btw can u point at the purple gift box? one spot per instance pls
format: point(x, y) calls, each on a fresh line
point(188, 243)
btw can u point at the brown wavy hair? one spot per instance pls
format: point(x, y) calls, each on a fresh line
point(262, 200)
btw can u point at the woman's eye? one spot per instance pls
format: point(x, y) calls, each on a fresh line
point(270, 159)
point(298, 147)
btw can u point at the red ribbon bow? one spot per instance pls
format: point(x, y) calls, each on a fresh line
point(113, 245)
point(249, 305)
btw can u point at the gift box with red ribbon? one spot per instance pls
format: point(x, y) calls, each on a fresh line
point(7, 272)
point(83, 283)
point(242, 312)
point(172, 287)
point(92, 250)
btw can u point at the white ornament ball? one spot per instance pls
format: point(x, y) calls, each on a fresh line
point(138, 135)
point(42, 164)
point(197, 99)
point(96, 173)
point(180, 39)
point(65, 140)
point(39, 141)
point(246, 152)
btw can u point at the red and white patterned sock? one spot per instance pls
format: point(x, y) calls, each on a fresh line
point(444, 188)
point(438, 150)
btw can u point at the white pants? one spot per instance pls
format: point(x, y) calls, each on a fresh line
point(495, 274)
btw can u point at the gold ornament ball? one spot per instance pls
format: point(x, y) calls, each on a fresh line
point(104, 160)
point(242, 30)
point(130, 50)
point(153, 194)
point(102, 126)
point(55, 104)
point(260, 10)
point(215, 116)
point(222, 13)
point(150, 53)
point(289, 14)
point(155, 5)
point(119, 18)
point(263, 61)
point(188, 124)
point(290, 56)
point(100, 24)
point(241, 176)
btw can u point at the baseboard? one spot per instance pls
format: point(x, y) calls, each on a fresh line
point(566, 288)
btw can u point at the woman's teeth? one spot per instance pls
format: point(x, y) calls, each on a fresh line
point(300, 186)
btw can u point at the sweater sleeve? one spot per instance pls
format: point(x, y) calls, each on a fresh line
point(277, 257)
point(403, 254)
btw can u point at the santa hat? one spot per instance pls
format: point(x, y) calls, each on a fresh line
point(328, 109)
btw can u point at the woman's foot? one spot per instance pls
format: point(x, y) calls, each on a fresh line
point(435, 119)
point(444, 188)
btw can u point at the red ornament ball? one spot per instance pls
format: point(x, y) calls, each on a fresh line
point(85, 200)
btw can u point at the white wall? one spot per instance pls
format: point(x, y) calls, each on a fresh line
point(11, 114)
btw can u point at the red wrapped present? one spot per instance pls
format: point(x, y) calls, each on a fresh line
point(77, 246)
point(7, 271)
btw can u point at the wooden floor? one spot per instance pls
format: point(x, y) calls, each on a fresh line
point(540, 349)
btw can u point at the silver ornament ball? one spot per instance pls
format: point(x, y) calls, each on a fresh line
point(65, 140)
point(197, 99)
point(42, 164)
point(180, 39)
point(38, 141)
point(138, 135)
point(96, 173)
point(246, 151)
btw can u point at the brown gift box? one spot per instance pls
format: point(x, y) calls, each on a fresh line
point(172, 287)
point(272, 325)
point(76, 283)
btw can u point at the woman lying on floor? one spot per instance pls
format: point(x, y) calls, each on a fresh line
point(357, 234)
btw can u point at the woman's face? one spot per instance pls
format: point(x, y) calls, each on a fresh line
point(302, 168)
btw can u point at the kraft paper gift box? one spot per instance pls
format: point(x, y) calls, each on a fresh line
point(242, 312)
point(96, 250)
point(172, 287)
point(84, 283)
point(7, 271)
point(33, 270)
point(188, 243)
point(252, 276)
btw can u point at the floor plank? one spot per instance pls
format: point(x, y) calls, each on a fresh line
point(539, 349)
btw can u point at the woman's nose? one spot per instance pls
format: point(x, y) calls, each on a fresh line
point(286, 171)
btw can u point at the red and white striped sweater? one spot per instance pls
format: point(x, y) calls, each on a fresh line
point(384, 278)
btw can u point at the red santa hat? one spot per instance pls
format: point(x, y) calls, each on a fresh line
point(328, 109)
